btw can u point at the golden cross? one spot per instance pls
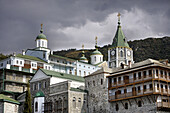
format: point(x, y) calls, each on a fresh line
point(119, 16)
point(83, 46)
point(96, 40)
point(41, 26)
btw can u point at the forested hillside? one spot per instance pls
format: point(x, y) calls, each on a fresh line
point(155, 48)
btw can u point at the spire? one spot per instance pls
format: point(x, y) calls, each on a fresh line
point(119, 39)
point(41, 31)
point(83, 58)
point(83, 50)
point(96, 43)
point(96, 51)
point(118, 18)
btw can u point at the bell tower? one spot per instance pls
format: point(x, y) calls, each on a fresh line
point(119, 53)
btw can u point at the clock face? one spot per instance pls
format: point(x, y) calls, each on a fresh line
point(128, 53)
point(113, 53)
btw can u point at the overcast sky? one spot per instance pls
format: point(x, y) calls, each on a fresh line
point(71, 23)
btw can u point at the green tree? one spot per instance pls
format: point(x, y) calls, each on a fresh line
point(27, 104)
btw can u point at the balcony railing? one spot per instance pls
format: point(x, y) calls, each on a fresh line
point(130, 94)
point(163, 104)
point(128, 81)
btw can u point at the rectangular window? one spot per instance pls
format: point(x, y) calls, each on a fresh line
point(119, 80)
point(139, 90)
point(125, 90)
point(150, 73)
point(144, 88)
point(115, 81)
point(157, 72)
point(139, 75)
point(150, 86)
point(134, 76)
point(101, 81)
point(144, 74)
point(157, 86)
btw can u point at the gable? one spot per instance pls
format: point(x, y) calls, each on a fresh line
point(39, 75)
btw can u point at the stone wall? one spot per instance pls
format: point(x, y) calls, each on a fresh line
point(10, 108)
point(97, 98)
point(77, 102)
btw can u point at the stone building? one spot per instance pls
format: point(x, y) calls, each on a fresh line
point(128, 87)
point(8, 105)
point(55, 92)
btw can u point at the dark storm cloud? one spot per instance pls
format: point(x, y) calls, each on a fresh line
point(69, 23)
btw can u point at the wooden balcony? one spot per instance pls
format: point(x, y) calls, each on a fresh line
point(130, 95)
point(163, 104)
point(130, 81)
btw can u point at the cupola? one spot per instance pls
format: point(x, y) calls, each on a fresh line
point(96, 56)
point(41, 39)
point(83, 58)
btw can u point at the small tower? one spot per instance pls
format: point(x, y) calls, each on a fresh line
point(41, 39)
point(119, 53)
point(83, 58)
point(38, 102)
point(96, 56)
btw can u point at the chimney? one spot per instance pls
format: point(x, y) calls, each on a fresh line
point(14, 54)
point(130, 64)
point(23, 52)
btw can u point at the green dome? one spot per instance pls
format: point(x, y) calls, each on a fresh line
point(83, 58)
point(39, 94)
point(96, 53)
point(41, 36)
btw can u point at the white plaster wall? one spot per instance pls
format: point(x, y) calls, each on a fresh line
point(74, 84)
point(97, 59)
point(10, 108)
point(40, 101)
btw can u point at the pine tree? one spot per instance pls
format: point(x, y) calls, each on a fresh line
point(27, 104)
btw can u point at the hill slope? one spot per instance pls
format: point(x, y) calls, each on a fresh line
point(155, 48)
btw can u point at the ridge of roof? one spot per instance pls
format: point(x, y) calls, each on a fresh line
point(63, 75)
point(63, 57)
point(30, 58)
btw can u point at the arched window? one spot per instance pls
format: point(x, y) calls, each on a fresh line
point(126, 105)
point(139, 103)
point(42, 43)
point(117, 107)
point(100, 59)
point(95, 58)
point(121, 53)
point(36, 106)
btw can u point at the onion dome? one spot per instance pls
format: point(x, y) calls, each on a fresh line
point(83, 58)
point(96, 52)
point(39, 94)
point(41, 35)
